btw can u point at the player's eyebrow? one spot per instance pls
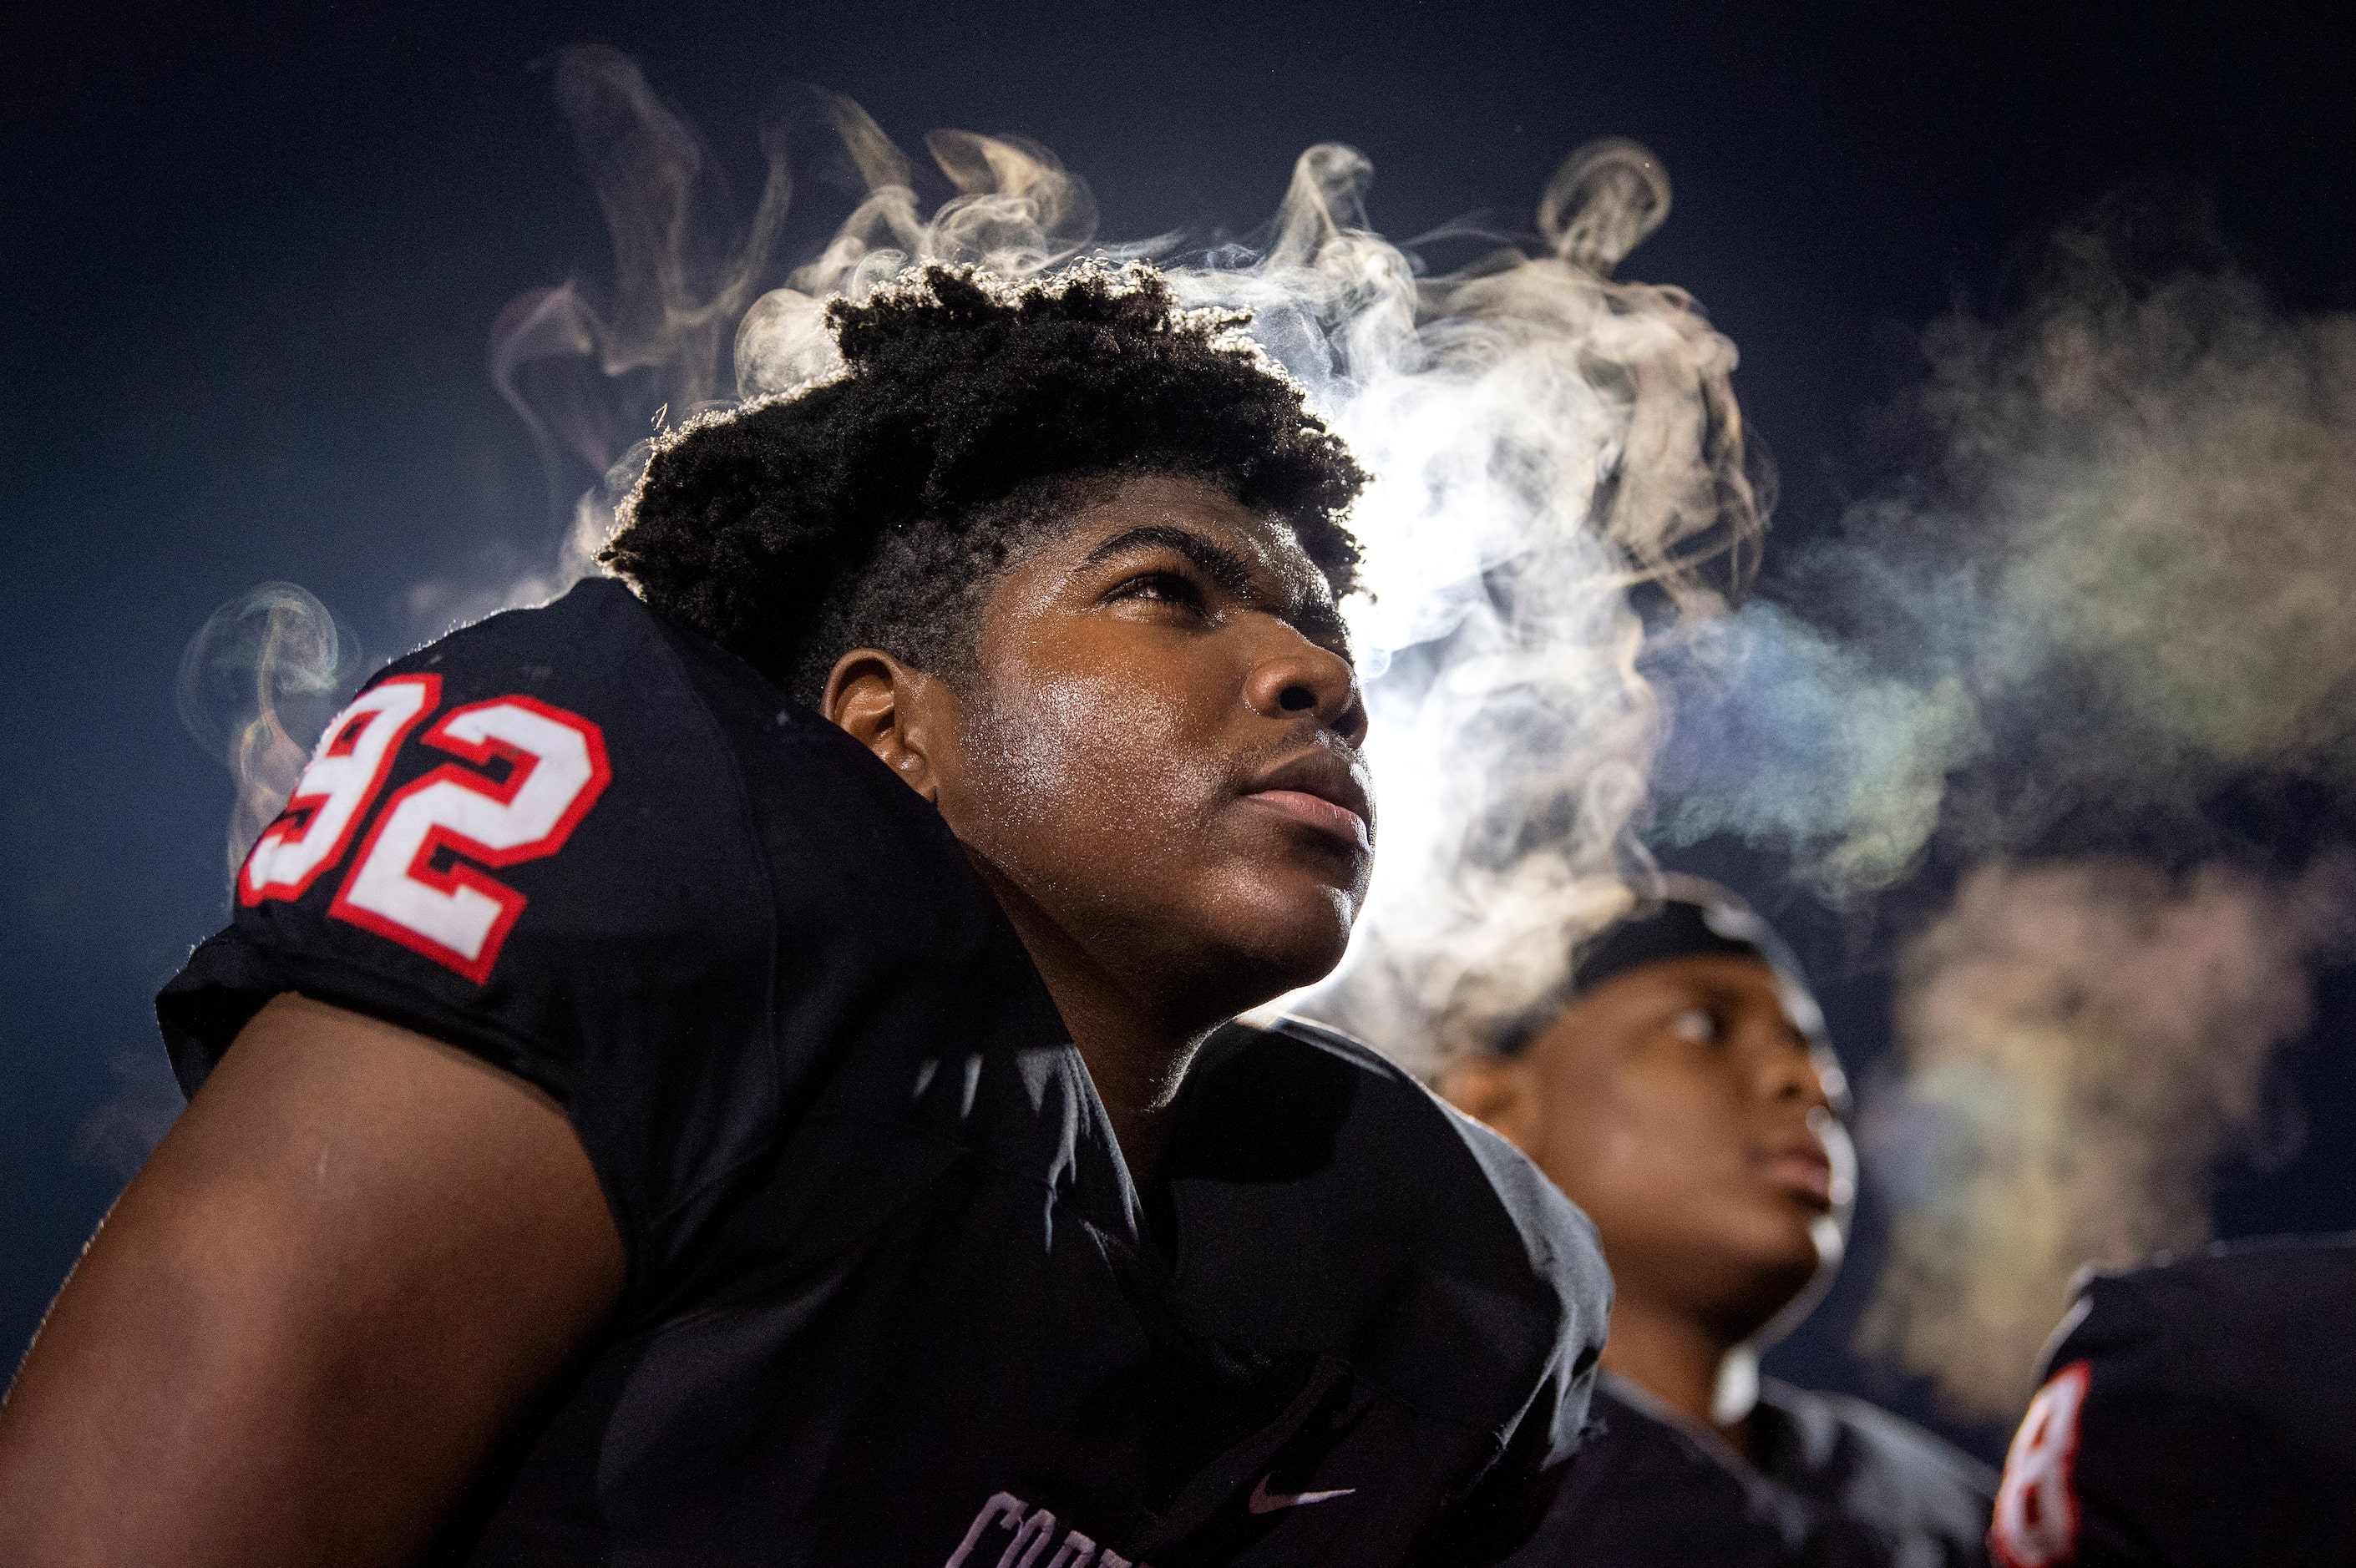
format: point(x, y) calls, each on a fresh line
point(1220, 564)
point(1320, 622)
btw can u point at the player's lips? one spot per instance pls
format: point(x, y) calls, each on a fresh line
point(1321, 789)
point(1803, 1171)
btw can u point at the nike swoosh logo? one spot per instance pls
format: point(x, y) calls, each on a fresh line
point(1265, 1501)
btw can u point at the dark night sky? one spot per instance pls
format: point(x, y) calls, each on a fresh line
point(250, 265)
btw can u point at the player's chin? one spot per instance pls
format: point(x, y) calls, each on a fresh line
point(1781, 1244)
point(1761, 1273)
point(1283, 923)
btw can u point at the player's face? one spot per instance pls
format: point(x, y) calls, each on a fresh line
point(1159, 748)
point(1680, 1105)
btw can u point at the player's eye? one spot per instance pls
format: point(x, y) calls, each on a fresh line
point(1160, 587)
point(1696, 1024)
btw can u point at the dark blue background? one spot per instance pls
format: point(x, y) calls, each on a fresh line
point(251, 262)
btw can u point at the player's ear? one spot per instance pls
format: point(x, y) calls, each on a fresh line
point(886, 706)
point(1501, 1091)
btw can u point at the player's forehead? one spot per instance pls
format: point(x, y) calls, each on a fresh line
point(1742, 975)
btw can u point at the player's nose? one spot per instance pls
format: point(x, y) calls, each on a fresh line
point(1293, 676)
point(1785, 1072)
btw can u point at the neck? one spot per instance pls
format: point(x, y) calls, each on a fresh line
point(1676, 1358)
point(1136, 1055)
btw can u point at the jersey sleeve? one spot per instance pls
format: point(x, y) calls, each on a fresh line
point(2206, 1402)
point(531, 842)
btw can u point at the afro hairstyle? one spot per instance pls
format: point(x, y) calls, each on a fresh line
point(970, 418)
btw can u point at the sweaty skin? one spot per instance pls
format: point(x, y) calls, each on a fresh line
point(360, 1253)
point(1155, 766)
point(1678, 1105)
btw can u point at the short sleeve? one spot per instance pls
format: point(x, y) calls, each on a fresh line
point(2207, 1401)
point(531, 842)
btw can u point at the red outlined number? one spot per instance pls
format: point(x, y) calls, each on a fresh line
point(349, 766)
point(2036, 1523)
point(459, 916)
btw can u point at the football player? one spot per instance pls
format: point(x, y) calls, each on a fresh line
point(737, 1072)
point(2197, 1413)
point(1681, 1090)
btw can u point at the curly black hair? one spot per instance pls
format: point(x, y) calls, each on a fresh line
point(971, 416)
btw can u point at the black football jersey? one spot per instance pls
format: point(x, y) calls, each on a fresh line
point(1829, 1482)
point(2195, 1413)
point(1646, 1491)
point(891, 1296)
point(1879, 1489)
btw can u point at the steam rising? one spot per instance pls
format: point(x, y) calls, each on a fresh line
point(257, 684)
point(2077, 1044)
point(2116, 583)
point(2159, 486)
point(1786, 737)
point(2117, 578)
point(1543, 438)
point(595, 372)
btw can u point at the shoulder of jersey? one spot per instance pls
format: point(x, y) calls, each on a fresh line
point(653, 685)
point(588, 761)
point(1443, 1183)
point(2253, 1268)
point(598, 612)
point(2209, 1401)
point(597, 640)
point(1518, 1189)
point(2265, 1319)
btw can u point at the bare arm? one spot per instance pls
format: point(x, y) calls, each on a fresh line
point(301, 1329)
